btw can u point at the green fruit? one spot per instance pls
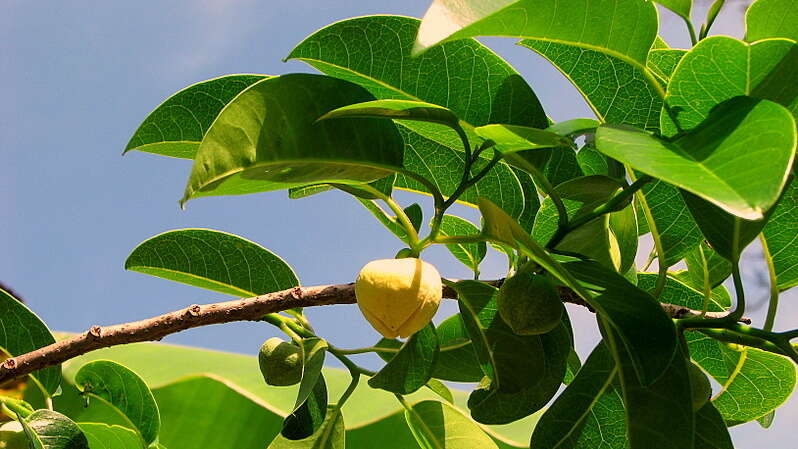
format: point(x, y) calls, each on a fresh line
point(280, 362)
point(529, 304)
point(699, 386)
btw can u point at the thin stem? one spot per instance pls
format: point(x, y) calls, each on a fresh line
point(707, 287)
point(366, 350)
point(401, 216)
point(459, 239)
point(739, 309)
point(613, 204)
point(350, 365)
point(662, 271)
point(773, 304)
point(713, 14)
point(691, 29)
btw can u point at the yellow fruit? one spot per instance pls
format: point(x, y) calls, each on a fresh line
point(529, 304)
point(398, 296)
point(280, 362)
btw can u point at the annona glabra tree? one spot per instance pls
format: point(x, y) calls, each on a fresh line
point(693, 147)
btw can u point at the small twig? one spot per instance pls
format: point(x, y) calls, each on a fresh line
point(246, 309)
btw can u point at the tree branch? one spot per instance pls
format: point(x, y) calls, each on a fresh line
point(246, 309)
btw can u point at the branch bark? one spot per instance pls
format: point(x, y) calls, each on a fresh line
point(246, 309)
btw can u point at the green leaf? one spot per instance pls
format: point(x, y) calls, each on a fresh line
point(592, 162)
point(718, 269)
point(771, 18)
point(311, 401)
point(779, 238)
point(710, 430)
point(437, 425)
point(470, 254)
point(728, 234)
point(720, 68)
point(669, 424)
point(680, 7)
point(47, 429)
point(681, 293)
point(419, 111)
point(562, 166)
point(664, 61)
point(176, 127)
point(441, 390)
point(524, 372)
point(652, 341)
point(249, 148)
point(618, 90)
point(698, 161)
point(581, 196)
point(513, 138)
point(411, 368)
point(758, 382)
point(126, 391)
point(677, 230)
point(582, 416)
point(103, 436)
point(213, 260)
point(476, 85)
point(21, 331)
point(457, 361)
point(623, 229)
point(296, 193)
point(574, 127)
point(330, 435)
point(766, 421)
point(621, 27)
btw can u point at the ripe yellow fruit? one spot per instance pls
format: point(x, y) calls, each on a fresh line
point(280, 362)
point(398, 296)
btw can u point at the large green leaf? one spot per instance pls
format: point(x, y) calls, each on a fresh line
point(583, 416)
point(330, 435)
point(720, 68)
point(47, 429)
point(470, 254)
point(663, 61)
point(658, 415)
point(581, 196)
point(125, 390)
point(411, 368)
point(651, 343)
point(457, 361)
point(238, 385)
point(176, 127)
point(625, 28)
point(310, 407)
point(474, 83)
point(780, 238)
point(438, 425)
point(103, 436)
point(743, 130)
point(710, 429)
point(268, 138)
point(680, 7)
point(214, 260)
point(771, 18)
point(617, 89)
point(21, 331)
point(524, 372)
point(677, 230)
point(678, 291)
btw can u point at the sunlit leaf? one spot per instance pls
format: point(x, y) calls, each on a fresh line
point(47, 429)
point(438, 425)
point(470, 254)
point(411, 368)
point(771, 18)
point(103, 436)
point(779, 238)
point(330, 435)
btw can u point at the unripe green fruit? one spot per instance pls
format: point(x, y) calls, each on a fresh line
point(280, 362)
point(699, 386)
point(398, 296)
point(529, 304)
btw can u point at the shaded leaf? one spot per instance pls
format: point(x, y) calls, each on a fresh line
point(457, 361)
point(103, 436)
point(622, 27)
point(718, 269)
point(176, 127)
point(710, 430)
point(213, 260)
point(677, 230)
point(21, 331)
point(411, 368)
point(419, 111)
point(330, 435)
point(441, 390)
point(470, 254)
point(779, 238)
point(126, 391)
point(439, 425)
point(249, 148)
point(679, 292)
point(47, 429)
point(698, 161)
point(311, 401)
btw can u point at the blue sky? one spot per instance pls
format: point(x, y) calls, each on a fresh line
point(77, 79)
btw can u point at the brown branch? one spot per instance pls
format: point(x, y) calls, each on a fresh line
point(246, 309)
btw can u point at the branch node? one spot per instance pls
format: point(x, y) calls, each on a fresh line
point(95, 331)
point(296, 292)
point(10, 364)
point(193, 310)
